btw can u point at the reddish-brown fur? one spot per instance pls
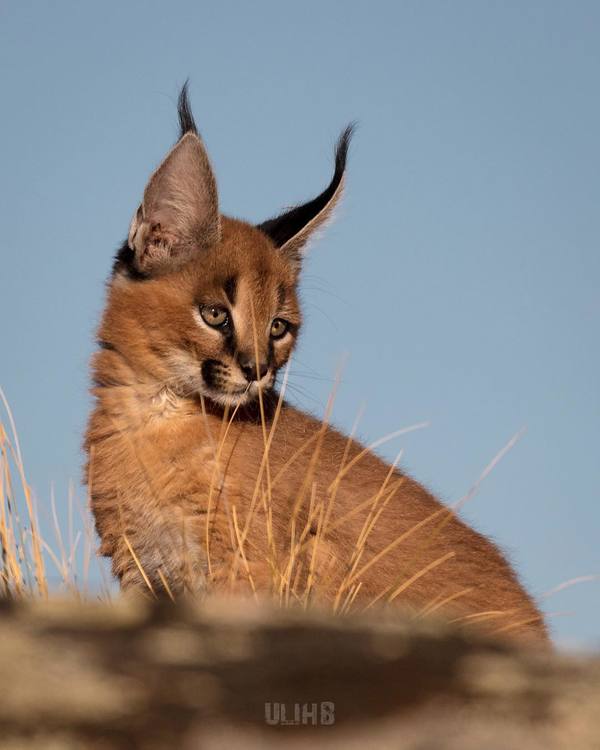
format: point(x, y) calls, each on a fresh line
point(165, 459)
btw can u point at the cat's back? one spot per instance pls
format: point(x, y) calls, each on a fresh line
point(376, 528)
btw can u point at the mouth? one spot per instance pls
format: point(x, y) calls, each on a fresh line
point(221, 388)
point(237, 396)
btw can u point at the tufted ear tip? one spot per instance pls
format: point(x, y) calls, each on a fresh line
point(184, 112)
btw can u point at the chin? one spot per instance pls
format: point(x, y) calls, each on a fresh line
point(238, 397)
point(226, 398)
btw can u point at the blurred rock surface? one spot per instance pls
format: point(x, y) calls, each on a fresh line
point(212, 676)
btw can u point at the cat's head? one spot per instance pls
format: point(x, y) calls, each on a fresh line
point(201, 303)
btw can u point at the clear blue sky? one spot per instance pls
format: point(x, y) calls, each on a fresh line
point(462, 273)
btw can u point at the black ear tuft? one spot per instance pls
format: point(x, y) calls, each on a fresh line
point(186, 118)
point(289, 224)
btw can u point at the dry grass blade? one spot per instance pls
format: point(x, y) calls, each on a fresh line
point(165, 583)
point(420, 574)
point(518, 624)
point(139, 565)
point(488, 615)
point(373, 446)
point(441, 602)
point(241, 549)
point(567, 584)
point(224, 432)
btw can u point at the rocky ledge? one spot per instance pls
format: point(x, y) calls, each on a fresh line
point(227, 674)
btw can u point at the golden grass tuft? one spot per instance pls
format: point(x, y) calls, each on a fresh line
point(30, 565)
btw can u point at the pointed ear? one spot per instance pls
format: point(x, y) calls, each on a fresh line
point(179, 214)
point(291, 230)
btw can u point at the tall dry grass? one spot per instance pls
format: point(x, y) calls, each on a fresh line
point(34, 566)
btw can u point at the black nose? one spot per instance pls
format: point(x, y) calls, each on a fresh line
point(253, 371)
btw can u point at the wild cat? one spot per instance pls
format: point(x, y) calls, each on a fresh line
point(203, 478)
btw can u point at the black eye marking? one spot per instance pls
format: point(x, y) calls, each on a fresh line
point(215, 316)
point(230, 289)
point(279, 327)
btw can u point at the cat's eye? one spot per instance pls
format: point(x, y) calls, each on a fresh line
point(279, 328)
point(214, 316)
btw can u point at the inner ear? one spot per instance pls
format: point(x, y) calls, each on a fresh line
point(179, 214)
point(292, 229)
